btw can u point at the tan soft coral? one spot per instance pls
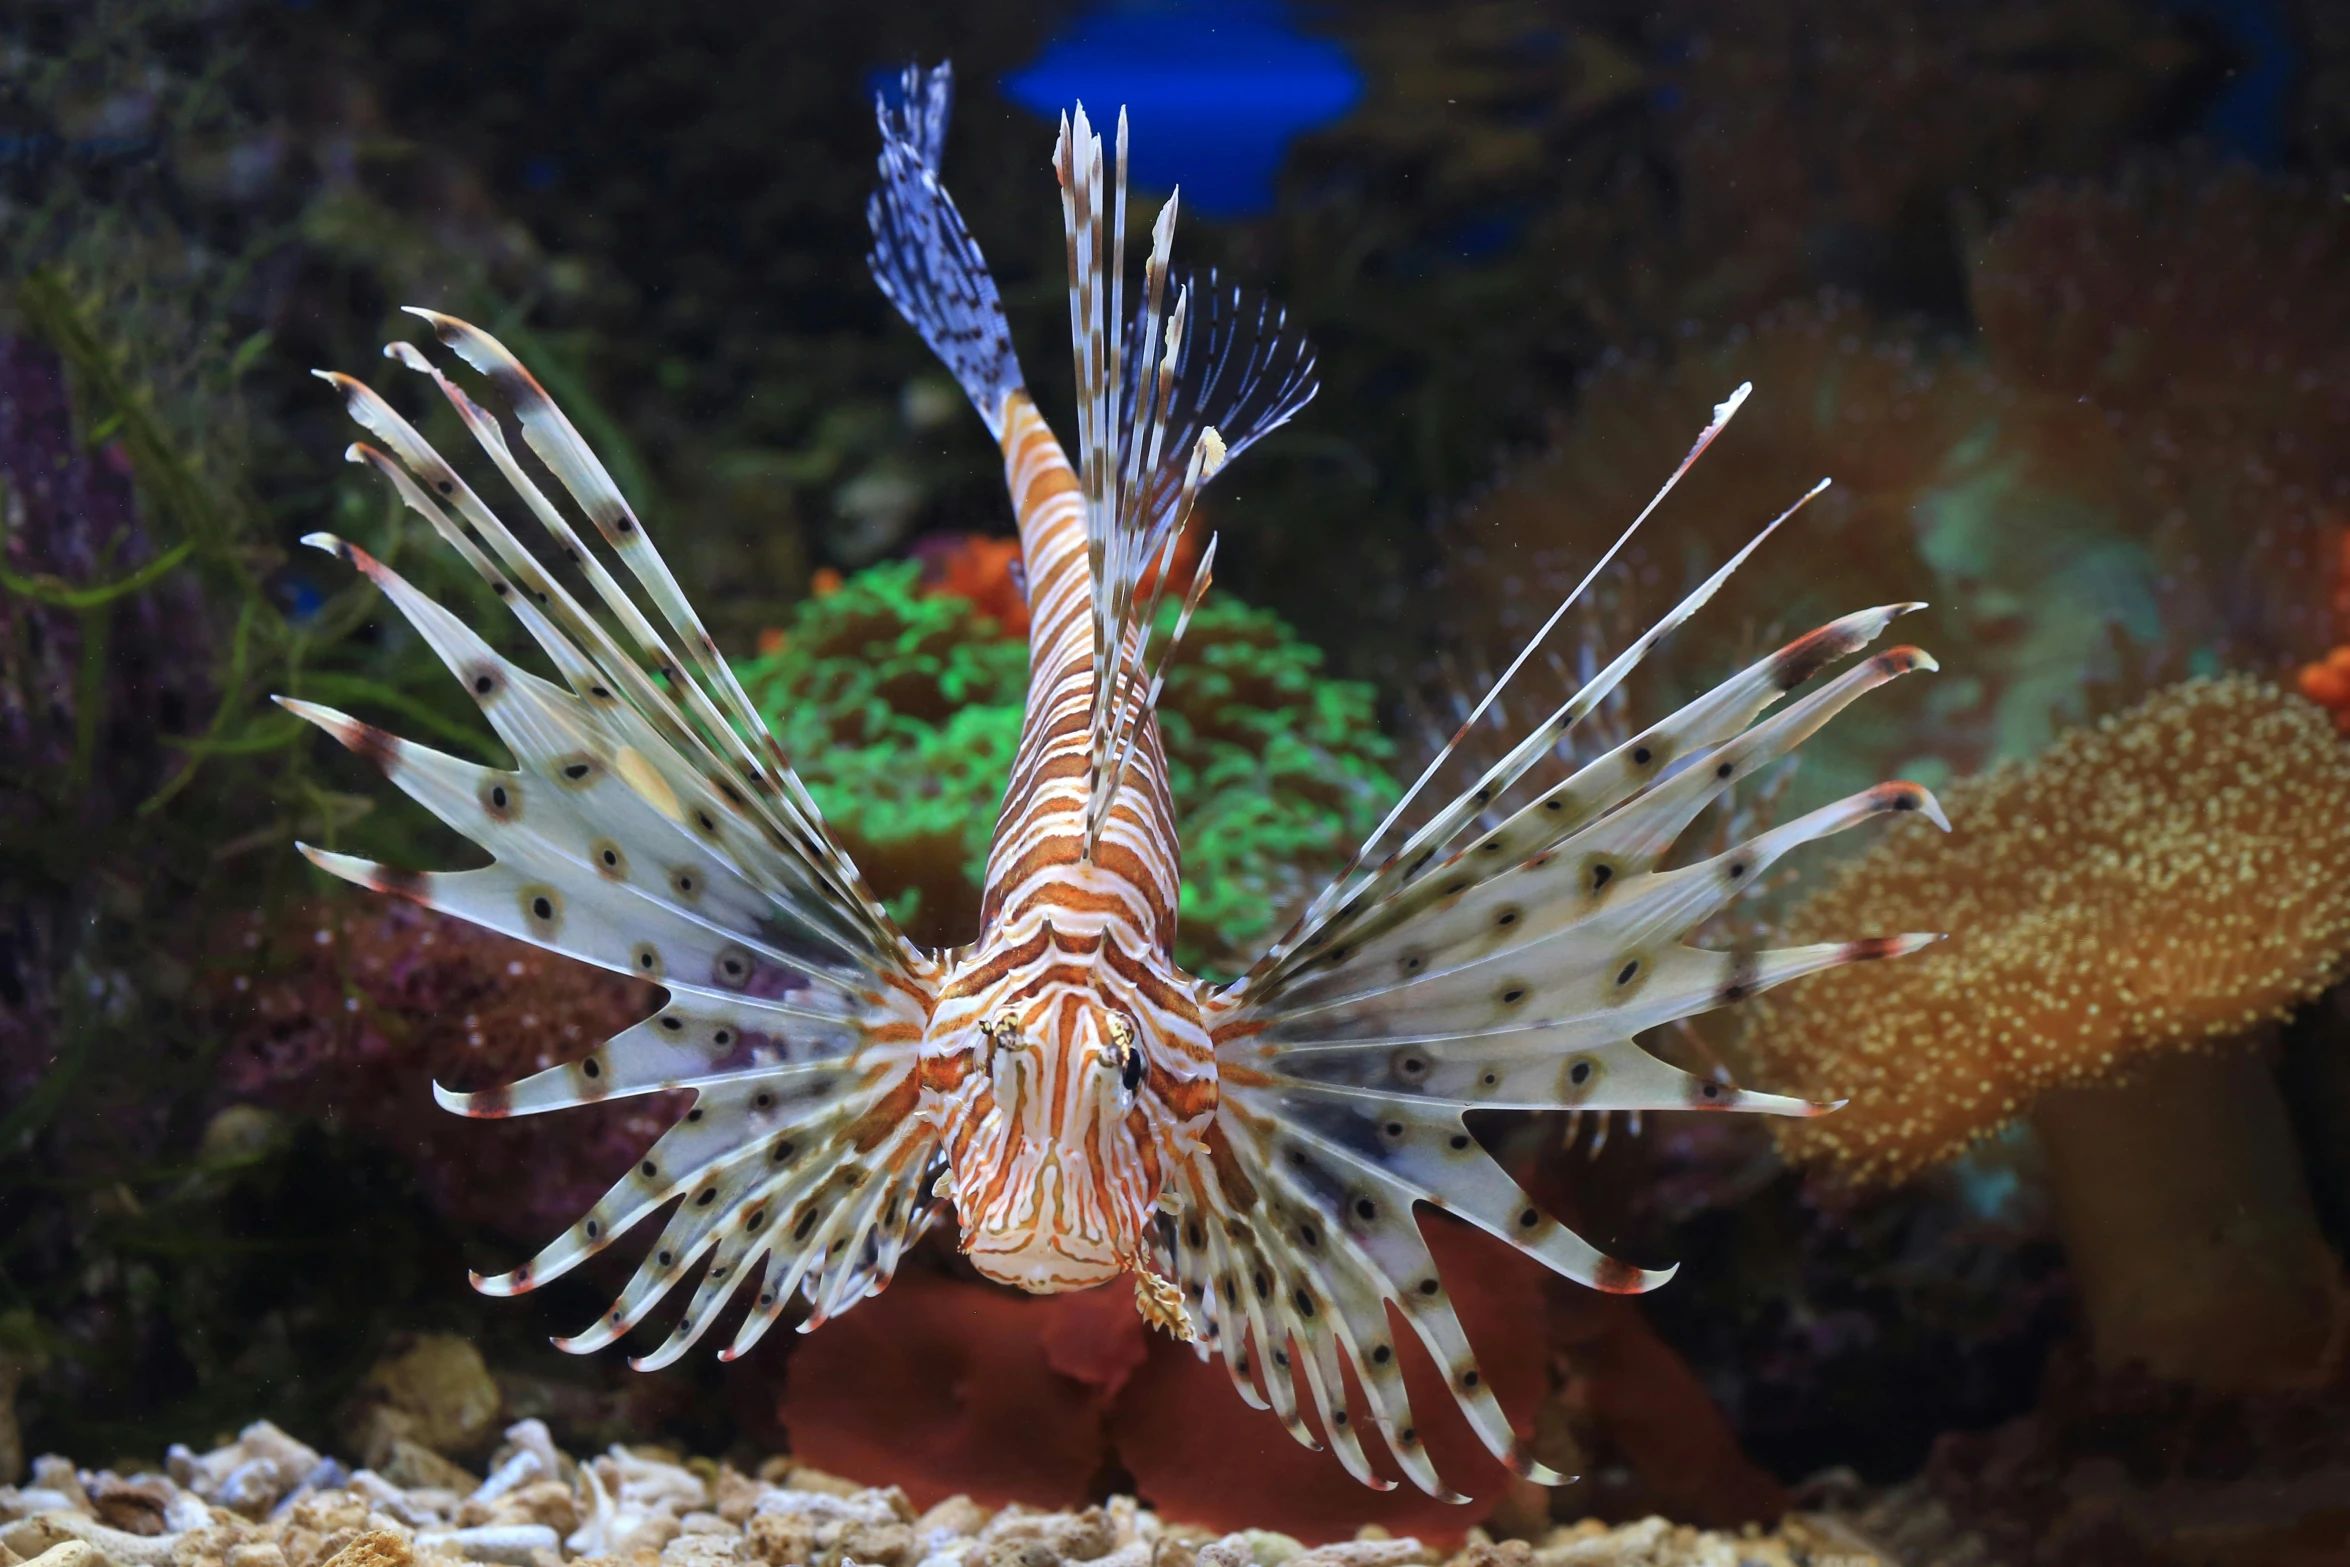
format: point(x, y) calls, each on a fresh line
point(2169, 881)
point(2175, 875)
point(1950, 484)
point(2203, 312)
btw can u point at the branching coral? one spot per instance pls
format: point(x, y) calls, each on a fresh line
point(901, 707)
point(2166, 882)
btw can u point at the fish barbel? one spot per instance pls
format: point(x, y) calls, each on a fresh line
point(1251, 1155)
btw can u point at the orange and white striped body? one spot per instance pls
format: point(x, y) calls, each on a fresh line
point(1065, 1055)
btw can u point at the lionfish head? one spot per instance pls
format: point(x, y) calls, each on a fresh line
point(1058, 1180)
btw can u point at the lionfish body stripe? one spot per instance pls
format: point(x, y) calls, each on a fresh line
point(1253, 1155)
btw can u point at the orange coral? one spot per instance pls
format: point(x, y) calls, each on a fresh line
point(2168, 882)
point(980, 567)
point(985, 568)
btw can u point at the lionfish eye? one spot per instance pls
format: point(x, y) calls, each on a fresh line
point(1130, 1059)
point(1002, 1032)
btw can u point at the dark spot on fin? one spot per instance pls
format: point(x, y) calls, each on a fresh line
point(1804, 657)
point(401, 883)
point(1616, 1277)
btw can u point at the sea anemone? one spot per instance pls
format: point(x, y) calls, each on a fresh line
point(2133, 907)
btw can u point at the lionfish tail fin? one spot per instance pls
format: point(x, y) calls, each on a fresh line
point(918, 120)
point(649, 826)
point(923, 255)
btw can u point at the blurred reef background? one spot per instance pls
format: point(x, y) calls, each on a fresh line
point(2057, 290)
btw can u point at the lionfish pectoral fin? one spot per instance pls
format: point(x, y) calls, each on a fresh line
point(1296, 1244)
point(1482, 967)
point(650, 825)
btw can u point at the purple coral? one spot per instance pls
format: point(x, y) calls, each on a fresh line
point(350, 1013)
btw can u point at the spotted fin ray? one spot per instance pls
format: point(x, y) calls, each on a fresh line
point(1513, 968)
point(651, 826)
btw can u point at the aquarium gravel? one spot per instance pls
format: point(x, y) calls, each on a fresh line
point(269, 1500)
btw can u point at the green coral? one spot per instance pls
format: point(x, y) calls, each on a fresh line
point(901, 710)
point(1278, 772)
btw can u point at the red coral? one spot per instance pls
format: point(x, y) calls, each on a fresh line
point(942, 1386)
point(1639, 1390)
point(1202, 1456)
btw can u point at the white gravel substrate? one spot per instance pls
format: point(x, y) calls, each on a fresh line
point(267, 1500)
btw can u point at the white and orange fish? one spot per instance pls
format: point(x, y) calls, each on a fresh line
point(1251, 1155)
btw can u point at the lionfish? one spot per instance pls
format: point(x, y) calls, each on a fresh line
point(1251, 1154)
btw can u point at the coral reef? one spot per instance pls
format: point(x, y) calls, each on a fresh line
point(2167, 881)
point(2136, 471)
point(2116, 1470)
point(1835, 1328)
point(975, 1369)
point(2167, 878)
point(227, 193)
point(900, 703)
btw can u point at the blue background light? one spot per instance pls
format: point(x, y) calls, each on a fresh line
point(1214, 91)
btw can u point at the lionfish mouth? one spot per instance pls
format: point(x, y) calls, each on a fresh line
point(1043, 1264)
